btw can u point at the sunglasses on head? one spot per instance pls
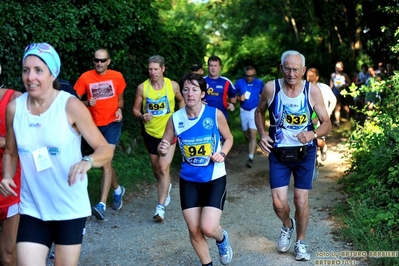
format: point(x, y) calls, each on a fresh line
point(102, 60)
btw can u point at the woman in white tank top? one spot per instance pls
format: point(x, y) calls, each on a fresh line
point(44, 129)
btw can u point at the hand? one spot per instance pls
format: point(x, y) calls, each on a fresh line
point(305, 136)
point(231, 107)
point(78, 171)
point(265, 144)
point(92, 101)
point(6, 186)
point(217, 157)
point(163, 147)
point(118, 115)
point(146, 117)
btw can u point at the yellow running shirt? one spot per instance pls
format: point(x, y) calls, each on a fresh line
point(159, 103)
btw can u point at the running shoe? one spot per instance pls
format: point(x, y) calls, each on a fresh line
point(324, 152)
point(98, 211)
point(249, 163)
point(167, 201)
point(285, 241)
point(159, 215)
point(301, 251)
point(225, 250)
point(118, 199)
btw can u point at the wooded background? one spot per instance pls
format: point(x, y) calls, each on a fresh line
point(241, 32)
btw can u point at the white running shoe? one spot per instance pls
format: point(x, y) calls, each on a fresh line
point(159, 215)
point(301, 251)
point(225, 250)
point(285, 241)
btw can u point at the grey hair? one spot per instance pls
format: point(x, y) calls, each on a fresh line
point(157, 59)
point(292, 52)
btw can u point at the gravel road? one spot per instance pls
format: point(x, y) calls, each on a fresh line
point(131, 237)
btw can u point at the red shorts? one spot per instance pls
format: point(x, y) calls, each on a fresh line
point(9, 211)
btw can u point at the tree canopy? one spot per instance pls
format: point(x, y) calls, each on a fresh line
point(241, 32)
point(256, 32)
point(131, 31)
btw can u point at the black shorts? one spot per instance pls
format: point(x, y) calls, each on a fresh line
point(69, 232)
point(209, 194)
point(151, 143)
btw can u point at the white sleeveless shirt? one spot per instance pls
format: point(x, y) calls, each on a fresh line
point(46, 194)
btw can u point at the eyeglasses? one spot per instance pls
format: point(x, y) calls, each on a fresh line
point(250, 76)
point(288, 70)
point(102, 60)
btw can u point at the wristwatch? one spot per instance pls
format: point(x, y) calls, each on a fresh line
point(315, 134)
point(88, 159)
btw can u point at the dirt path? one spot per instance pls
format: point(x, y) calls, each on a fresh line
point(130, 237)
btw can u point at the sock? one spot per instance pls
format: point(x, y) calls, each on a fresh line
point(208, 264)
point(251, 156)
point(103, 204)
point(163, 206)
point(220, 242)
point(118, 191)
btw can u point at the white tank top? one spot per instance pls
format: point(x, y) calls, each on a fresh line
point(46, 195)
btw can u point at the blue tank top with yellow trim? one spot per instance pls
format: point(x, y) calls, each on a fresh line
point(198, 138)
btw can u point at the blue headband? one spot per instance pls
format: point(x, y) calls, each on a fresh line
point(47, 53)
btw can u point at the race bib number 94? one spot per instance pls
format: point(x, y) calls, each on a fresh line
point(198, 150)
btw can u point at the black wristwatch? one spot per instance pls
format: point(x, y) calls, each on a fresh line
point(223, 154)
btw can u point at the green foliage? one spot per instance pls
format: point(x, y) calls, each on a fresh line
point(131, 170)
point(372, 181)
point(365, 233)
point(131, 30)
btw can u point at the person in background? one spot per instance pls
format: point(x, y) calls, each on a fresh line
point(203, 175)
point(219, 88)
point(153, 105)
point(54, 198)
point(381, 72)
point(291, 145)
point(363, 78)
point(312, 75)
point(389, 70)
point(197, 68)
point(9, 206)
point(104, 90)
point(338, 81)
point(249, 88)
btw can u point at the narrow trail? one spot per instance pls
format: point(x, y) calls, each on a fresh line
point(131, 237)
